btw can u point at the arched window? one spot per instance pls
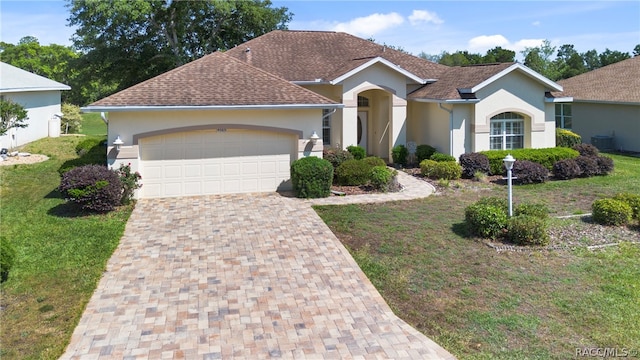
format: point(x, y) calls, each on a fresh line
point(363, 101)
point(507, 131)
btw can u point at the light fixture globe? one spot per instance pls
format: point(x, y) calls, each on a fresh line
point(118, 143)
point(508, 162)
point(314, 138)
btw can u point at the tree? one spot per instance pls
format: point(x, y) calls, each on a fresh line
point(12, 115)
point(127, 41)
point(608, 57)
point(499, 55)
point(636, 50)
point(430, 57)
point(71, 119)
point(568, 62)
point(591, 60)
point(539, 59)
point(460, 58)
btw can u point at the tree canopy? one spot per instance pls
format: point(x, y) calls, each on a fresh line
point(124, 42)
point(463, 58)
point(12, 115)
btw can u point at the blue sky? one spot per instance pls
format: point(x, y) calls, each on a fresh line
point(429, 26)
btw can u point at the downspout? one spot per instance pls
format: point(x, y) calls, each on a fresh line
point(450, 111)
point(327, 115)
point(104, 118)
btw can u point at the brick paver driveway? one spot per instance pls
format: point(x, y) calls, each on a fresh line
point(246, 276)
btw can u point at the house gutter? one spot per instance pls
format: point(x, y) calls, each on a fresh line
point(450, 111)
point(209, 107)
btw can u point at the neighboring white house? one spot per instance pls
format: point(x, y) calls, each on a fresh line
point(603, 105)
point(39, 96)
point(234, 121)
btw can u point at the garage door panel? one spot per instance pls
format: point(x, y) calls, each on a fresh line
point(212, 162)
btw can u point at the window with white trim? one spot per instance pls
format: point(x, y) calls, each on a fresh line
point(507, 131)
point(563, 116)
point(326, 126)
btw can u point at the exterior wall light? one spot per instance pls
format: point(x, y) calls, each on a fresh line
point(118, 143)
point(508, 163)
point(314, 138)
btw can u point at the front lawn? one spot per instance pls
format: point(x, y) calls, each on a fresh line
point(482, 304)
point(60, 254)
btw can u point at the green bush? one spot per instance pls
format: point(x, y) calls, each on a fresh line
point(527, 230)
point(357, 152)
point(485, 220)
point(567, 138)
point(399, 153)
point(311, 177)
point(7, 258)
point(448, 170)
point(374, 161)
point(529, 172)
point(588, 165)
point(130, 182)
point(336, 156)
point(93, 187)
point(605, 164)
point(85, 146)
point(353, 173)
point(474, 163)
point(566, 169)
point(498, 202)
point(71, 122)
point(586, 150)
point(633, 200)
point(536, 210)
point(381, 177)
point(440, 157)
point(611, 212)
point(545, 157)
point(424, 152)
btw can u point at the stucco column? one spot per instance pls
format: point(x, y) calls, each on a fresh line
point(398, 123)
point(349, 127)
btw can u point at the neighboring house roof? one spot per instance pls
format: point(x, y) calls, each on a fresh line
point(308, 56)
point(13, 79)
point(618, 83)
point(213, 81)
point(462, 82)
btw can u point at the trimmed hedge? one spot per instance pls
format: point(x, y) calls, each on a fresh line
point(93, 187)
point(424, 152)
point(353, 173)
point(567, 138)
point(311, 177)
point(382, 177)
point(528, 172)
point(588, 166)
point(374, 161)
point(566, 169)
point(545, 157)
point(336, 156)
point(586, 150)
point(611, 212)
point(357, 152)
point(472, 163)
point(440, 157)
point(527, 230)
point(7, 258)
point(633, 200)
point(447, 170)
point(399, 153)
point(485, 220)
point(536, 210)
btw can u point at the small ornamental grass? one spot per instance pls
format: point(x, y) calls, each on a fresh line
point(93, 187)
point(611, 212)
point(311, 177)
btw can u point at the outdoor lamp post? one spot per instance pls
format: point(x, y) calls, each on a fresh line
point(314, 138)
point(118, 143)
point(508, 163)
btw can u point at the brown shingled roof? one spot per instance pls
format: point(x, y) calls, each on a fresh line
point(326, 55)
point(214, 80)
point(458, 77)
point(619, 82)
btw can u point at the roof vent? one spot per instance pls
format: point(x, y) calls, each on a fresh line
point(247, 54)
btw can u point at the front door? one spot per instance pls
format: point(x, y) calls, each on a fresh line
point(362, 129)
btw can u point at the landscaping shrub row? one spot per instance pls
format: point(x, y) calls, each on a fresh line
point(567, 138)
point(616, 211)
point(545, 157)
point(588, 163)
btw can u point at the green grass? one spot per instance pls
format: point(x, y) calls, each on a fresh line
point(61, 253)
point(92, 124)
point(481, 304)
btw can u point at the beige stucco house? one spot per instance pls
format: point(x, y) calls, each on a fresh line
point(603, 105)
point(39, 96)
point(234, 121)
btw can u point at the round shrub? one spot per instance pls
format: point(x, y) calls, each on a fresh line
point(374, 161)
point(567, 138)
point(311, 177)
point(336, 156)
point(498, 202)
point(381, 177)
point(566, 169)
point(527, 230)
point(633, 200)
point(424, 152)
point(539, 211)
point(605, 165)
point(353, 173)
point(357, 152)
point(528, 172)
point(485, 220)
point(611, 212)
point(7, 258)
point(586, 149)
point(399, 153)
point(440, 157)
point(473, 163)
point(588, 165)
point(449, 170)
point(93, 187)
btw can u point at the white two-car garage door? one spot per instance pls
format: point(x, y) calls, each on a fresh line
point(220, 161)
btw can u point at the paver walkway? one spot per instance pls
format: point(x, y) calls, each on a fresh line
point(244, 276)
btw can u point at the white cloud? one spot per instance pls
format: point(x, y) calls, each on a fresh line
point(419, 16)
point(369, 25)
point(485, 42)
point(536, 23)
point(526, 43)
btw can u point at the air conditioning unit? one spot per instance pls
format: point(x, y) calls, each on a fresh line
point(602, 142)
